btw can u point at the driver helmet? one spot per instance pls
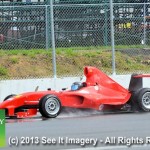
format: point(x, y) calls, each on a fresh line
point(76, 86)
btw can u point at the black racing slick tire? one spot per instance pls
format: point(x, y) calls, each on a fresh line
point(143, 99)
point(49, 106)
point(9, 96)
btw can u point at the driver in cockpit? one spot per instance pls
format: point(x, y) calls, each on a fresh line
point(77, 85)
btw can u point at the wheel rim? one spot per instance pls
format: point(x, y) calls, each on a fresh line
point(146, 100)
point(52, 106)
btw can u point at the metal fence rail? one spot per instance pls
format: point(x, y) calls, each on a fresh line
point(78, 33)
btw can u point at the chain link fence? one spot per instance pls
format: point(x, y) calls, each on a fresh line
point(82, 36)
point(22, 27)
point(132, 33)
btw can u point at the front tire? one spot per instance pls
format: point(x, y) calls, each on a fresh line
point(49, 106)
point(143, 99)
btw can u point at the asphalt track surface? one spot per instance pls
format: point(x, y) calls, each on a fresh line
point(82, 124)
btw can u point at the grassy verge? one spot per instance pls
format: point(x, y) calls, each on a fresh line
point(36, 63)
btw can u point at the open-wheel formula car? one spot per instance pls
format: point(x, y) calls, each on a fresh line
point(97, 91)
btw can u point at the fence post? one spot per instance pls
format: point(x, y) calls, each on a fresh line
point(106, 24)
point(53, 38)
point(144, 15)
point(112, 38)
point(47, 30)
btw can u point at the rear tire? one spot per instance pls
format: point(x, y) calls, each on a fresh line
point(49, 106)
point(143, 99)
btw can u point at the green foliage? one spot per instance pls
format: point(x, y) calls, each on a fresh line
point(3, 71)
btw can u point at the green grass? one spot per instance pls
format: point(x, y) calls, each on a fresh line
point(102, 48)
point(70, 61)
point(14, 60)
point(24, 52)
point(68, 50)
point(3, 71)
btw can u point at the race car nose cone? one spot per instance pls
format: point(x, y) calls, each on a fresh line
point(1, 105)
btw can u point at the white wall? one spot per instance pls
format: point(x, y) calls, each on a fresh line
point(8, 87)
point(19, 86)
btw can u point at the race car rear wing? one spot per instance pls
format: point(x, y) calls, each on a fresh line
point(136, 81)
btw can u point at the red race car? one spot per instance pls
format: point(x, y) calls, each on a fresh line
point(97, 91)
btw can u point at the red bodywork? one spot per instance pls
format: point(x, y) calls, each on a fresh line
point(100, 89)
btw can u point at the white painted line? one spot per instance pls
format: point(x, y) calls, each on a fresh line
point(112, 147)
